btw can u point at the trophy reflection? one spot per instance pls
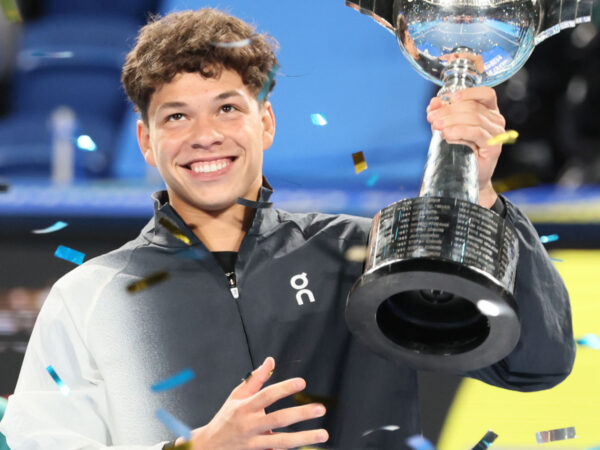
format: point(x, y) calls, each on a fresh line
point(437, 288)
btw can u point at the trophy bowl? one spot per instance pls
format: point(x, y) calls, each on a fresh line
point(437, 286)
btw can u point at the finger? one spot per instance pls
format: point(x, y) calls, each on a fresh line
point(254, 381)
point(476, 136)
point(290, 440)
point(277, 391)
point(481, 94)
point(468, 112)
point(289, 416)
point(434, 103)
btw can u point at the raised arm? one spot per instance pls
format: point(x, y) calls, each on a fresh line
point(545, 352)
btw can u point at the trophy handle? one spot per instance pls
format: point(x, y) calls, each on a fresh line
point(451, 169)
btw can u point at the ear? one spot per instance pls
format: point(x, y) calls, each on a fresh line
point(143, 137)
point(268, 123)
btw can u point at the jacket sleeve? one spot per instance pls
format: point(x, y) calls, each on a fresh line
point(38, 415)
point(545, 352)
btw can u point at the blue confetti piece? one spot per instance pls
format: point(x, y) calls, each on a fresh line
point(52, 228)
point(69, 254)
point(64, 389)
point(590, 340)
point(267, 86)
point(176, 380)
point(192, 253)
point(84, 142)
point(556, 260)
point(372, 180)
point(418, 442)
point(318, 120)
point(549, 238)
point(177, 427)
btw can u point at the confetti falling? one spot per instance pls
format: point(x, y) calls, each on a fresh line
point(549, 238)
point(590, 340)
point(486, 441)
point(150, 280)
point(64, 389)
point(176, 426)
point(192, 253)
point(69, 254)
point(357, 253)
point(318, 120)
point(383, 428)
point(359, 162)
point(372, 180)
point(267, 86)
point(508, 137)
point(303, 398)
point(556, 260)
point(52, 55)
point(86, 143)
point(418, 442)
point(11, 10)
point(253, 204)
point(559, 434)
point(52, 228)
point(172, 382)
point(176, 232)
point(234, 44)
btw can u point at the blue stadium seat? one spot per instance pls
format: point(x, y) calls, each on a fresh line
point(73, 61)
point(26, 146)
point(130, 8)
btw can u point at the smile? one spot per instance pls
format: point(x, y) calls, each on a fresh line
point(210, 166)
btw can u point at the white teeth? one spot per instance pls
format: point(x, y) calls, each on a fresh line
point(211, 166)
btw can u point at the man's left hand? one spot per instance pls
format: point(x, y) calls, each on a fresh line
point(472, 117)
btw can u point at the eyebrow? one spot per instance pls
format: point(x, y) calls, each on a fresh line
point(222, 96)
point(227, 94)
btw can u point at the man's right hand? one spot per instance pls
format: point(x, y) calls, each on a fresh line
point(242, 422)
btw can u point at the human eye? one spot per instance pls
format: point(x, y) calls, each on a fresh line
point(175, 117)
point(228, 108)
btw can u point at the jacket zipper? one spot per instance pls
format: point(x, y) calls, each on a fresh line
point(235, 293)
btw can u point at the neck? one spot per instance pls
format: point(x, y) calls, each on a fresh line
point(219, 231)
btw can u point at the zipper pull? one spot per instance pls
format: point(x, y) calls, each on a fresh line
point(235, 293)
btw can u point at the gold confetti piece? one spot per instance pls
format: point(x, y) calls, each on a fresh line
point(302, 398)
point(508, 137)
point(150, 280)
point(359, 162)
point(357, 253)
point(559, 434)
point(518, 181)
point(11, 10)
point(174, 230)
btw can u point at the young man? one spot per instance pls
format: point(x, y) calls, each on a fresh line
point(230, 300)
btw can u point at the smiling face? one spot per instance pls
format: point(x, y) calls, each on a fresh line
point(206, 136)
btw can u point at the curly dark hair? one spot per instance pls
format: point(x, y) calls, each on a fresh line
point(185, 42)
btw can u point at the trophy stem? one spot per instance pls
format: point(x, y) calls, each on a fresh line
point(451, 169)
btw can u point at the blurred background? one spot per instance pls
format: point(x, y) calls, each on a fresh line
point(68, 153)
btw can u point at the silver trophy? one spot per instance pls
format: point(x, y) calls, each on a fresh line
point(437, 288)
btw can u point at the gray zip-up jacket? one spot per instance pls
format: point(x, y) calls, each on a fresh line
point(109, 346)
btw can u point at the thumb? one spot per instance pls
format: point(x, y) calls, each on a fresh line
point(255, 380)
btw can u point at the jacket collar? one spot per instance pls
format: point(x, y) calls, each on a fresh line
point(158, 234)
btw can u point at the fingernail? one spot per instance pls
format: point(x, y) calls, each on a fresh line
point(323, 436)
point(438, 124)
point(320, 411)
point(456, 96)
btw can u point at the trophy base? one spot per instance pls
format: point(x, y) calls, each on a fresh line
point(436, 292)
point(430, 314)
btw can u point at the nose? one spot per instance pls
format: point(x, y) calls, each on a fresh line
point(205, 134)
